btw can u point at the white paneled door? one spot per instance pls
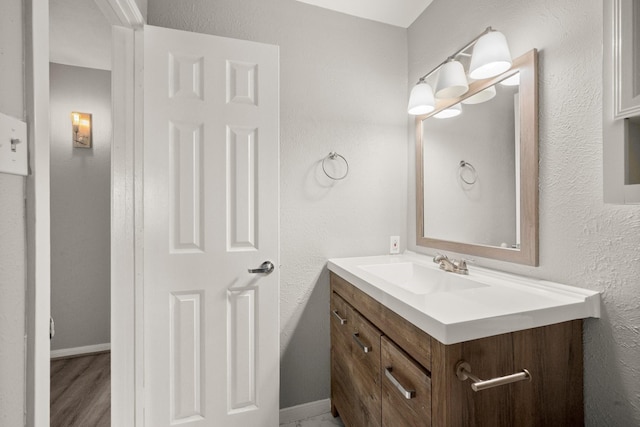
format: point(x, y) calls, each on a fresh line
point(211, 346)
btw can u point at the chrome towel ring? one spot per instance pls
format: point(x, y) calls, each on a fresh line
point(474, 175)
point(334, 156)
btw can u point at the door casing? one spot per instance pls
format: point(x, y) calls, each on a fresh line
point(126, 370)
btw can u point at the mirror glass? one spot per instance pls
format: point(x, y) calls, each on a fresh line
point(471, 170)
point(477, 171)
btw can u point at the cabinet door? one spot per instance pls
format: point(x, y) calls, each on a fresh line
point(365, 372)
point(406, 389)
point(342, 394)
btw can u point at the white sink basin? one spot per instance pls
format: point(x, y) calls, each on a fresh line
point(454, 308)
point(419, 279)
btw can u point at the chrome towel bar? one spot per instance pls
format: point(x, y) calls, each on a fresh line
point(463, 372)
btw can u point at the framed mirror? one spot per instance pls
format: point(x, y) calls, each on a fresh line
point(477, 169)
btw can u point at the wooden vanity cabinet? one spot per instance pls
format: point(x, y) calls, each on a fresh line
point(364, 395)
point(355, 365)
point(406, 389)
point(341, 385)
point(365, 371)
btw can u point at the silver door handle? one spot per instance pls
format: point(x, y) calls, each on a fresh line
point(364, 348)
point(340, 319)
point(408, 394)
point(266, 268)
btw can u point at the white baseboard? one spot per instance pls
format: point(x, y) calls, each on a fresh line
point(76, 351)
point(306, 410)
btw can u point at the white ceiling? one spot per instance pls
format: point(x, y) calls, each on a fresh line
point(400, 13)
point(79, 34)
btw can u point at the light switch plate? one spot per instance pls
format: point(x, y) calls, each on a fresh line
point(13, 146)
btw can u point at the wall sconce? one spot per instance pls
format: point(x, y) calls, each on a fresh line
point(490, 58)
point(81, 126)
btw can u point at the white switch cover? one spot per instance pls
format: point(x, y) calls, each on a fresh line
point(13, 146)
point(394, 245)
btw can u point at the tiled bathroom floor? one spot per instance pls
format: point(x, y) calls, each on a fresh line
point(324, 420)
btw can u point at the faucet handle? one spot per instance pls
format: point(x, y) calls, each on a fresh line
point(440, 257)
point(462, 264)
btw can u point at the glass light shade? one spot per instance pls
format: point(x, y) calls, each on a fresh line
point(490, 56)
point(482, 96)
point(512, 81)
point(452, 81)
point(421, 100)
point(453, 111)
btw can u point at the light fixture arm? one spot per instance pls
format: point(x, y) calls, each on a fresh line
point(452, 57)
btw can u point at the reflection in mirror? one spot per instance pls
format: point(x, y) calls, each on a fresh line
point(477, 169)
point(470, 169)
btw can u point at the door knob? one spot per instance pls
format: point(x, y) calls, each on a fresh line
point(266, 268)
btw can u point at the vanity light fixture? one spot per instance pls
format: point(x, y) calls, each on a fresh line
point(421, 100)
point(511, 81)
point(447, 113)
point(490, 57)
point(452, 80)
point(482, 96)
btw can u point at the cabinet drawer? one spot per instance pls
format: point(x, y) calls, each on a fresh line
point(341, 315)
point(409, 337)
point(342, 391)
point(343, 397)
point(406, 389)
point(365, 357)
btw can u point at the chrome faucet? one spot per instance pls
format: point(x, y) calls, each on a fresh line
point(453, 266)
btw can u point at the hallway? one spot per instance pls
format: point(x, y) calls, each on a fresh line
point(81, 391)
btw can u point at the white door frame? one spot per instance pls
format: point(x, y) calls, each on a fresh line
point(38, 295)
point(126, 373)
point(126, 232)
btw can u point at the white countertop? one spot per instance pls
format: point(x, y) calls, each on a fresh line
point(482, 304)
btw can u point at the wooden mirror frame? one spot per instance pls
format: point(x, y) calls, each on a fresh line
point(527, 65)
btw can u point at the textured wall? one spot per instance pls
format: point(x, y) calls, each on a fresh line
point(80, 209)
point(343, 85)
point(583, 242)
point(12, 228)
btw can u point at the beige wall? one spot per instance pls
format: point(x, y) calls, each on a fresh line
point(12, 228)
point(342, 88)
point(583, 242)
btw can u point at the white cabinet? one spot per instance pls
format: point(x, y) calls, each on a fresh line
point(621, 102)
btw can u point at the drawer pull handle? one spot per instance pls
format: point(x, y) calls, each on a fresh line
point(342, 321)
point(364, 348)
point(463, 371)
point(408, 394)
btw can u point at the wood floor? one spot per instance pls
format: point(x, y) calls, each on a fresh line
point(81, 391)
